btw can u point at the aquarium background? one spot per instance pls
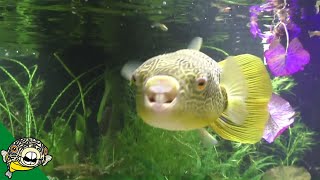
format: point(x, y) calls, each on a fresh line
point(61, 83)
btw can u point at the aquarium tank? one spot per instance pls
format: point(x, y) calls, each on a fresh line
point(159, 90)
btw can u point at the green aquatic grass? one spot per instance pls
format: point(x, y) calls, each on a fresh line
point(29, 87)
point(24, 91)
point(105, 97)
point(77, 81)
point(7, 109)
point(138, 151)
point(216, 49)
point(143, 152)
point(82, 92)
point(13, 106)
point(283, 84)
point(75, 104)
point(292, 146)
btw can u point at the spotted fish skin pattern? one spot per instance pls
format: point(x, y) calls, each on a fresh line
point(25, 154)
point(20, 145)
point(186, 65)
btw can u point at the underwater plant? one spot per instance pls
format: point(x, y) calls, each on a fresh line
point(283, 84)
point(282, 61)
point(281, 117)
point(122, 146)
point(142, 152)
point(138, 151)
point(287, 172)
point(18, 95)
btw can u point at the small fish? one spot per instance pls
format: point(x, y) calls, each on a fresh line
point(268, 26)
point(25, 154)
point(226, 9)
point(188, 90)
point(161, 26)
point(196, 19)
point(314, 33)
point(219, 18)
point(267, 16)
point(241, 16)
point(222, 8)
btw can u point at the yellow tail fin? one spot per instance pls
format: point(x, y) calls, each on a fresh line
point(249, 89)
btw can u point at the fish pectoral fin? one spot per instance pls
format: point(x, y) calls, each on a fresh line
point(47, 159)
point(4, 155)
point(9, 174)
point(234, 82)
point(206, 138)
point(129, 68)
point(195, 43)
point(236, 110)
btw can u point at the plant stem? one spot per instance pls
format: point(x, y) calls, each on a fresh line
point(217, 49)
point(8, 109)
point(78, 82)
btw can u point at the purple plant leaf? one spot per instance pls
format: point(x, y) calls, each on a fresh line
point(282, 64)
point(281, 117)
point(276, 58)
point(254, 29)
point(297, 57)
point(255, 10)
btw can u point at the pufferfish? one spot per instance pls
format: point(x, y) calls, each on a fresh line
point(188, 90)
point(25, 154)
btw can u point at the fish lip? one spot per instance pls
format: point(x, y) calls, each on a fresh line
point(159, 107)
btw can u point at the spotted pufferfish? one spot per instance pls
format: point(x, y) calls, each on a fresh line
point(25, 154)
point(188, 90)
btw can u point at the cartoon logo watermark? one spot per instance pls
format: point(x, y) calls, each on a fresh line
point(25, 154)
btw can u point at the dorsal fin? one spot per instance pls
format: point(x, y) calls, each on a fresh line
point(128, 69)
point(195, 43)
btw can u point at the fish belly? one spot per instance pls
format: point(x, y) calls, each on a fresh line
point(15, 166)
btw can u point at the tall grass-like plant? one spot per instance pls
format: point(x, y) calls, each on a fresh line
point(19, 98)
point(28, 86)
point(77, 100)
point(24, 88)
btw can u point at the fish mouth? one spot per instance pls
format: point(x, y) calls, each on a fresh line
point(161, 92)
point(30, 158)
point(159, 102)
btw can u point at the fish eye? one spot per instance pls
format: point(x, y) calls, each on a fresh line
point(201, 83)
point(45, 151)
point(14, 148)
